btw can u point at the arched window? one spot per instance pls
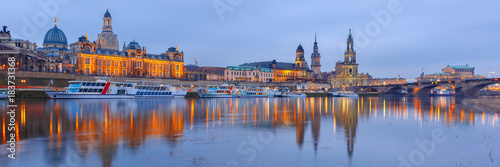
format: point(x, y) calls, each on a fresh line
point(86, 50)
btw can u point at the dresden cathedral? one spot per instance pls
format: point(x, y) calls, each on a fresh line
point(346, 73)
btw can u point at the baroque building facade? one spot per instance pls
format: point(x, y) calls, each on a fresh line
point(31, 58)
point(286, 72)
point(104, 57)
point(248, 73)
point(346, 73)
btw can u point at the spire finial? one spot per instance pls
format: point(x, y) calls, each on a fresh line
point(176, 48)
point(315, 37)
point(350, 35)
point(86, 37)
point(55, 21)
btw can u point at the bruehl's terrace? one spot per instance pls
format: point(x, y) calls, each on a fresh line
point(249, 83)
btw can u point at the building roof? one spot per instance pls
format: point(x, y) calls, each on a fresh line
point(133, 45)
point(248, 68)
point(462, 67)
point(52, 54)
point(300, 49)
point(107, 14)
point(55, 36)
point(279, 65)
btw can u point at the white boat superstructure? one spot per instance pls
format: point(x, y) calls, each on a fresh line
point(148, 89)
point(293, 94)
point(344, 94)
point(229, 91)
point(257, 92)
point(217, 91)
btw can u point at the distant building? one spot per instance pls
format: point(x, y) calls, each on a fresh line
point(450, 73)
point(214, 73)
point(284, 72)
point(104, 57)
point(346, 73)
point(248, 73)
point(193, 72)
point(387, 81)
point(460, 71)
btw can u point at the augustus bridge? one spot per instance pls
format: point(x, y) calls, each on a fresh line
point(462, 88)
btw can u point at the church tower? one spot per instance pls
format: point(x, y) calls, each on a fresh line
point(107, 39)
point(350, 66)
point(300, 61)
point(315, 58)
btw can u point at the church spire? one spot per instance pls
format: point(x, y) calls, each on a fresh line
point(315, 42)
point(350, 35)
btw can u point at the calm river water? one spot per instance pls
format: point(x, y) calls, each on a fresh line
point(313, 131)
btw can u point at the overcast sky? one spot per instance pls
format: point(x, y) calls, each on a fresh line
point(423, 33)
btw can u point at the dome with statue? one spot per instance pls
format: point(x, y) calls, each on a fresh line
point(55, 38)
point(133, 45)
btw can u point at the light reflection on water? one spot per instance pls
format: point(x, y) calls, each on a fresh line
point(219, 132)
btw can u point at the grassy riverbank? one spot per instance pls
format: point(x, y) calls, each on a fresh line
point(492, 105)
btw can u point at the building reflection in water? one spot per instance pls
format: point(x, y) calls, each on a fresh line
point(105, 126)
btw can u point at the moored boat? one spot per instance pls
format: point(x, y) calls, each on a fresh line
point(442, 92)
point(343, 94)
point(104, 89)
point(293, 94)
point(218, 91)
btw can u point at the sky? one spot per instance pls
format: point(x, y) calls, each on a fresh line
point(391, 37)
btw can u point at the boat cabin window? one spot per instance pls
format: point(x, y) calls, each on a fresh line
point(93, 84)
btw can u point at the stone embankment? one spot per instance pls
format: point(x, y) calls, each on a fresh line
point(492, 105)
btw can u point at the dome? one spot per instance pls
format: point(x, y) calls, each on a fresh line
point(133, 45)
point(52, 54)
point(300, 49)
point(55, 36)
point(107, 14)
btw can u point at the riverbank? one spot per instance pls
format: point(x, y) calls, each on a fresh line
point(492, 105)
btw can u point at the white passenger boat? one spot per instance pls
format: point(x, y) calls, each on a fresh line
point(232, 91)
point(293, 94)
point(344, 94)
point(442, 92)
point(148, 89)
point(218, 91)
point(258, 92)
point(104, 89)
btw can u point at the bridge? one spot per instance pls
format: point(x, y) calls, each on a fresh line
point(462, 88)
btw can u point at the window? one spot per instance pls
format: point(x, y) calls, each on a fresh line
point(87, 60)
point(99, 71)
point(176, 67)
point(116, 63)
point(87, 70)
point(107, 62)
point(99, 62)
point(124, 72)
point(124, 64)
point(116, 72)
